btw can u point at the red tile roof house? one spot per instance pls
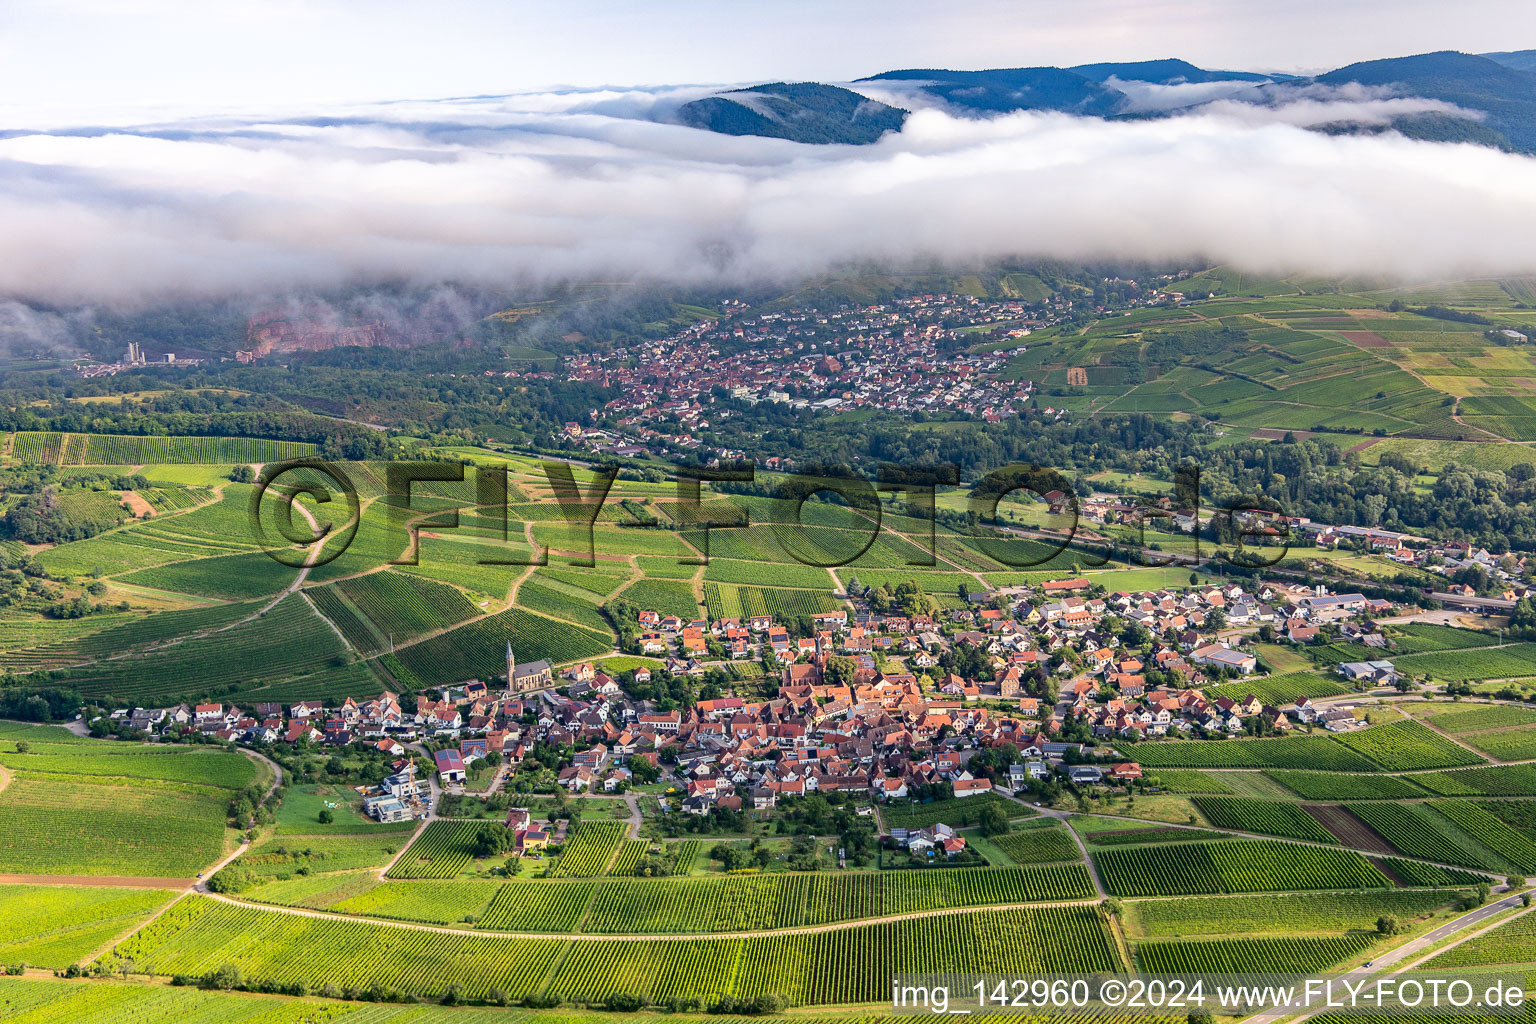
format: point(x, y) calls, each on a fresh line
point(971, 787)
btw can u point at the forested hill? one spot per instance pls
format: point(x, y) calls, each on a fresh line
point(1491, 98)
point(801, 112)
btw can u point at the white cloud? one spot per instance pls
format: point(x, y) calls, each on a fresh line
point(551, 185)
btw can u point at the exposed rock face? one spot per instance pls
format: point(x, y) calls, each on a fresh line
point(283, 332)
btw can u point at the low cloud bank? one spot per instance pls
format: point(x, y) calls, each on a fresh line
point(595, 185)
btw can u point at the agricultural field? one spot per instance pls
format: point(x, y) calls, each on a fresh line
point(1268, 817)
point(478, 649)
point(1235, 866)
point(54, 926)
point(589, 849)
point(1038, 845)
point(293, 853)
point(1405, 746)
point(1501, 780)
point(1419, 831)
point(1328, 786)
point(840, 966)
point(1290, 913)
point(1304, 955)
point(79, 806)
point(1320, 753)
point(441, 851)
point(54, 824)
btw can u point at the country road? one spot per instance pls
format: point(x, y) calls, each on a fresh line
point(1397, 955)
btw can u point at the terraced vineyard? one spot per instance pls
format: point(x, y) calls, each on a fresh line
point(1269, 817)
point(1236, 866)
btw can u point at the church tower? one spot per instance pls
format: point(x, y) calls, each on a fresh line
point(511, 667)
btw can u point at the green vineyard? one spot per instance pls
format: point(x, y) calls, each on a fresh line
point(839, 966)
point(589, 849)
point(1236, 866)
point(1269, 817)
point(441, 851)
point(1251, 956)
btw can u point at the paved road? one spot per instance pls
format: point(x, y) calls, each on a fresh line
point(1383, 965)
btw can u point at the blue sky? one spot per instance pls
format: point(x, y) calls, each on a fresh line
point(85, 56)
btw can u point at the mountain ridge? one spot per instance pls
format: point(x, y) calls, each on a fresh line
point(1493, 96)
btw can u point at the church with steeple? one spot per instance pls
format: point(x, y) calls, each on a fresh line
point(533, 675)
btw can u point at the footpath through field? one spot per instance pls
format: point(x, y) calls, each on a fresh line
point(1247, 835)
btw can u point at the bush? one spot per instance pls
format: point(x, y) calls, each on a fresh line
point(226, 978)
point(623, 1002)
